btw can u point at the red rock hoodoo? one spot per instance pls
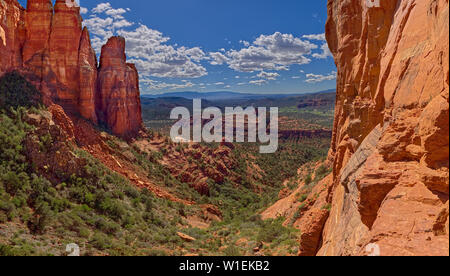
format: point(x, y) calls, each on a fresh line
point(391, 136)
point(119, 104)
point(47, 45)
point(87, 61)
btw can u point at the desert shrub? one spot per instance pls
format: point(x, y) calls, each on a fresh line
point(271, 230)
point(41, 219)
point(111, 208)
point(321, 172)
point(84, 232)
point(15, 182)
point(9, 251)
point(298, 213)
point(12, 158)
point(308, 179)
point(302, 197)
point(108, 227)
point(3, 217)
point(101, 241)
point(155, 253)
point(327, 207)
point(232, 251)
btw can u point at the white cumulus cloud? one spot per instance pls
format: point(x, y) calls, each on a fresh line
point(315, 37)
point(268, 76)
point(258, 82)
point(268, 52)
point(325, 52)
point(316, 78)
point(147, 48)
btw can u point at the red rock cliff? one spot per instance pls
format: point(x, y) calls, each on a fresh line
point(391, 137)
point(119, 104)
point(87, 61)
point(35, 53)
point(12, 34)
point(48, 45)
point(64, 48)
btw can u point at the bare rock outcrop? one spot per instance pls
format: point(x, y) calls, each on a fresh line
point(12, 34)
point(35, 53)
point(119, 103)
point(48, 46)
point(391, 137)
point(87, 62)
point(64, 46)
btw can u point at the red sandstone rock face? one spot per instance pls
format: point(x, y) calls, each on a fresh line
point(87, 62)
point(38, 20)
point(12, 34)
point(63, 50)
point(118, 99)
point(35, 53)
point(48, 46)
point(391, 135)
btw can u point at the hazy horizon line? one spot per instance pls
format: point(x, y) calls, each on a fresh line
point(238, 92)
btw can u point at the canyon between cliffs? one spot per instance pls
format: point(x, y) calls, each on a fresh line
point(389, 186)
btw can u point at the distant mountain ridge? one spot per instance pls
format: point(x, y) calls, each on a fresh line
point(226, 95)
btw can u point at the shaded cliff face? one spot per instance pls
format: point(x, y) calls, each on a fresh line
point(391, 136)
point(119, 103)
point(48, 46)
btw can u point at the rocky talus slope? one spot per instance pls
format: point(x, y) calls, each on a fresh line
point(48, 45)
point(391, 135)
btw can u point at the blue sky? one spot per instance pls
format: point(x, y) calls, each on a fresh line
point(256, 46)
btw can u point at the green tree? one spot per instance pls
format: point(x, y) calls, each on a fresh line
point(16, 91)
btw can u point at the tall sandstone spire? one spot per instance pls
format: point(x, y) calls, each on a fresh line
point(87, 64)
point(118, 82)
point(47, 45)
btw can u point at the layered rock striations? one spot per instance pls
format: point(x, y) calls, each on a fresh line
point(47, 44)
point(12, 34)
point(87, 66)
point(64, 46)
point(119, 104)
point(35, 53)
point(391, 137)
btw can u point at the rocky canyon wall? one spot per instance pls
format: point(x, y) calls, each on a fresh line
point(47, 45)
point(391, 135)
point(12, 34)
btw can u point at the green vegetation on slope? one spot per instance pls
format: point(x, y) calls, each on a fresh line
point(16, 92)
point(97, 209)
point(106, 215)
